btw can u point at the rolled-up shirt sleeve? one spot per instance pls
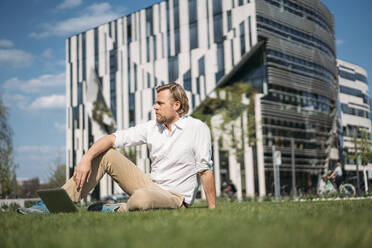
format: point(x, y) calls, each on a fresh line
point(132, 136)
point(203, 149)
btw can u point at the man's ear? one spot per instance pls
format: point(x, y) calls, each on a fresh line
point(177, 105)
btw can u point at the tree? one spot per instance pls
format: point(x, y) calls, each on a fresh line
point(229, 104)
point(7, 164)
point(57, 176)
point(362, 153)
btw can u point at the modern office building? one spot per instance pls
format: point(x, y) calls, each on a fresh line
point(355, 111)
point(284, 48)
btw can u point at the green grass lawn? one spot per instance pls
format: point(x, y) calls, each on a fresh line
point(246, 224)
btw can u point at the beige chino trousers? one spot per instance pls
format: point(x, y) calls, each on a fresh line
point(144, 194)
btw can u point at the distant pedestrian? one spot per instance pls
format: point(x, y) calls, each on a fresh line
point(230, 189)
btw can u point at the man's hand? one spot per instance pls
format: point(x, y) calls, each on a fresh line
point(82, 172)
point(84, 167)
point(209, 187)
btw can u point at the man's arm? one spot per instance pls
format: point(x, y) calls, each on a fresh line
point(209, 187)
point(83, 169)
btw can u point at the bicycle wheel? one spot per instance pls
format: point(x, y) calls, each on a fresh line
point(347, 189)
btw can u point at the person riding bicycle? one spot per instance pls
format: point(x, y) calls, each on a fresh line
point(337, 175)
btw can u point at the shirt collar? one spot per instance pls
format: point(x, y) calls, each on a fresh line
point(179, 124)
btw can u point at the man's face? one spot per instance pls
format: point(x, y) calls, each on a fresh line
point(165, 107)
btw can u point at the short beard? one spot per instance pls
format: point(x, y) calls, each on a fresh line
point(161, 119)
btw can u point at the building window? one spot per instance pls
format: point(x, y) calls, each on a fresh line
point(232, 52)
point(168, 16)
point(154, 48)
point(132, 107)
point(129, 29)
point(219, 75)
point(84, 57)
point(242, 38)
point(217, 28)
point(69, 49)
point(187, 81)
point(229, 20)
point(149, 116)
point(187, 84)
point(169, 44)
point(347, 75)
point(149, 22)
point(135, 77)
point(96, 52)
point(193, 36)
point(353, 92)
point(217, 7)
point(250, 31)
point(220, 57)
point(153, 95)
point(198, 85)
point(361, 77)
point(193, 11)
point(177, 41)
point(201, 66)
point(148, 80)
point(172, 68)
point(176, 15)
point(148, 49)
point(80, 93)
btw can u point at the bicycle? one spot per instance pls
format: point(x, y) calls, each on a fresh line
point(346, 189)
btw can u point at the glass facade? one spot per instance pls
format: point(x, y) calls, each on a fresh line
point(298, 105)
point(302, 11)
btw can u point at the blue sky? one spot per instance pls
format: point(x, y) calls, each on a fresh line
point(32, 64)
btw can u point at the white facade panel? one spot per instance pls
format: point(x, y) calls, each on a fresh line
point(354, 101)
point(132, 55)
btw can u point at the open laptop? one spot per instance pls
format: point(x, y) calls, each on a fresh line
point(57, 200)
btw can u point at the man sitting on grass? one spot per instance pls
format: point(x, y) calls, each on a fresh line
point(180, 148)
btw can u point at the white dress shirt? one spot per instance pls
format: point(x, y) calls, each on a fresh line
point(177, 155)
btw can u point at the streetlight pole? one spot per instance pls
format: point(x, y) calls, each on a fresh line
point(356, 161)
point(276, 164)
point(14, 184)
point(294, 190)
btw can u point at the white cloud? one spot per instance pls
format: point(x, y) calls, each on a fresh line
point(67, 4)
point(15, 58)
point(48, 53)
point(49, 102)
point(60, 126)
point(17, 100)
point(47, 81)
point(340, 42)
point(92, 16)
point(40, 149)
point(6, 43)
point(40, 103)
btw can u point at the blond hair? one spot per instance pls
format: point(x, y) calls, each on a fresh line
point(178, 94)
